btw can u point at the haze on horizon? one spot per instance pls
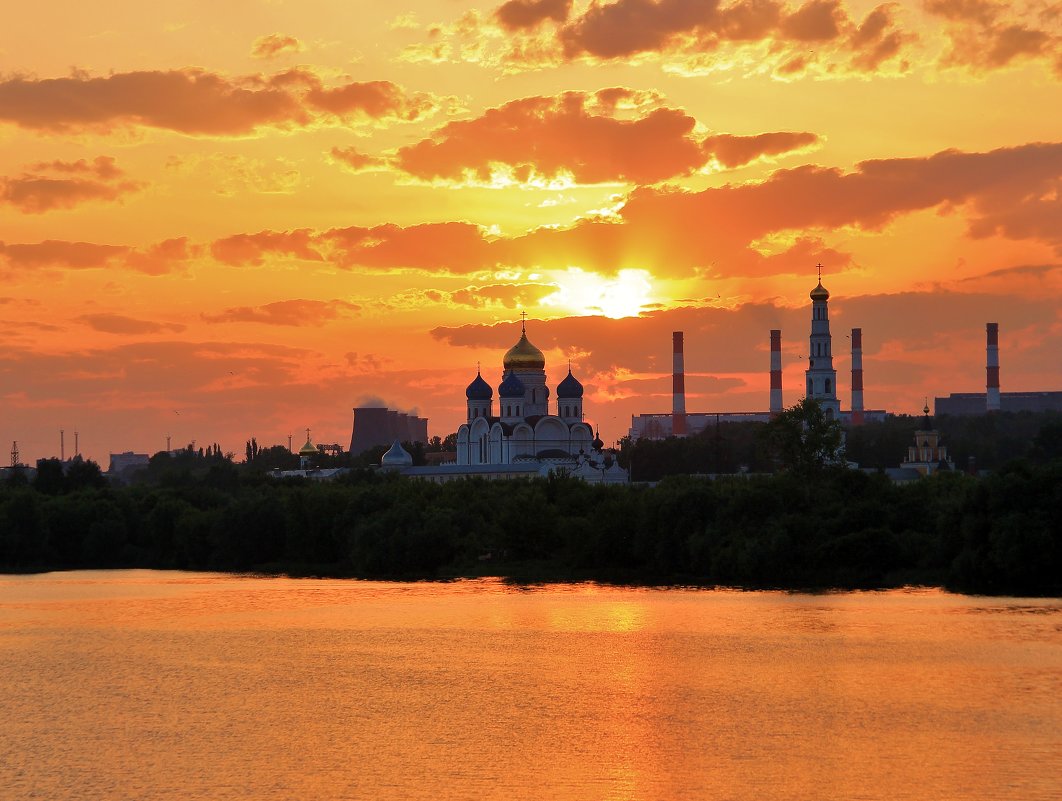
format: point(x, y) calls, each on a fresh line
point(220, 221)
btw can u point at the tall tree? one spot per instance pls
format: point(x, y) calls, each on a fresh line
point(803, 439)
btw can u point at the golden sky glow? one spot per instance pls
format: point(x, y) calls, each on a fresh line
point(226, 220)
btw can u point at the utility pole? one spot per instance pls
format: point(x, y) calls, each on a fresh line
point(62, 445)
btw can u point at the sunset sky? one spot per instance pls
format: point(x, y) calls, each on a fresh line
point(221, 220)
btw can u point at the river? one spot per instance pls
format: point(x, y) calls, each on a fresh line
point(167, 685)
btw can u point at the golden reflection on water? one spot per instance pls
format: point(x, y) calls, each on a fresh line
point(169, 685)
point(597, 615)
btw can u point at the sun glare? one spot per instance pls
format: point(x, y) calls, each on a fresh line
point(584, 292)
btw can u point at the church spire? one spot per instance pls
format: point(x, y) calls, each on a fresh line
point(820, 376)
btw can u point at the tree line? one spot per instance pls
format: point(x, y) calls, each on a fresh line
point(985, 442)
point(839, 528)
point(810, 524)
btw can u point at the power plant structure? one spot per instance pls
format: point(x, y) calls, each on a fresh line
point(678, 387)
point(857, 376)
point(776, 371)
point(376, 425)
point(965, 404)
point(820, 382)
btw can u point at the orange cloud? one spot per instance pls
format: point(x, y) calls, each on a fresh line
point(275, 44)
point(1009, 192)
point(815, 21)
point(243, 249)
point(354, 160)
point(454, 246)
point(509, 296)
point(39, 190)
point(735, 151)
point(57, 253)
point(518, 15)
point(373, 99)
point(157, 259)
point(163, 257)
point(687, 36)
point(287, 312)
point(627, 28)
point(580, 135)
point(985, 35)
point(120, 324)
point(196, 101)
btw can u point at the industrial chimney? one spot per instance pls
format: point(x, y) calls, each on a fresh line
point(776, 371)
point(678, 405)
point(857, 376)
point(992, 369)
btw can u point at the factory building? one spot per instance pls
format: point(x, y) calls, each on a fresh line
point(966, 404)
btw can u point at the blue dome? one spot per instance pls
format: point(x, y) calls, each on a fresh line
point(479, 390)
point(569, 387)
point(511, 387)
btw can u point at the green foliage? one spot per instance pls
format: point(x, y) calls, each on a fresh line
point(802, 439)
point(53, 478)
point(726, 448)
point(828, 528)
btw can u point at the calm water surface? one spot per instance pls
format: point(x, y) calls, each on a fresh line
point(157, 685)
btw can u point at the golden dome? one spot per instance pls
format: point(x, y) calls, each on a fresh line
point(819, 292)
point(524, 354)
point(308, 449)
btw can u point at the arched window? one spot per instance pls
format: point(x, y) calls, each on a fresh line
point(827, 386)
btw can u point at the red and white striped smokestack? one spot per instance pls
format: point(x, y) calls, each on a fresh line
point(678, 403)
point(857, 376)
point(992, 368)
point(776, 371)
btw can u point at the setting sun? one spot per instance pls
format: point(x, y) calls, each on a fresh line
point(581, 292)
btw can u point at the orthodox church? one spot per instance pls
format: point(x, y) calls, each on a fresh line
point(521, 429)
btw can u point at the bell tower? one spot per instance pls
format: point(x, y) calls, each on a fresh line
point(820, 375)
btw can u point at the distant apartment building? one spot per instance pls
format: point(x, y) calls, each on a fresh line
point(124, 464)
